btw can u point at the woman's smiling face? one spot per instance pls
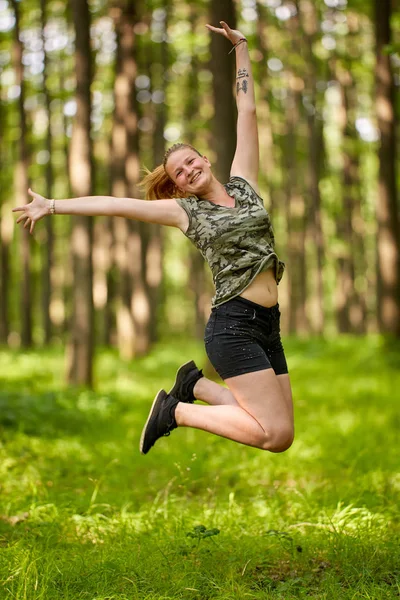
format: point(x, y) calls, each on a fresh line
point(190, 172)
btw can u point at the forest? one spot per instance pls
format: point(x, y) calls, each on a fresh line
point(98, 313)
point(92, 93)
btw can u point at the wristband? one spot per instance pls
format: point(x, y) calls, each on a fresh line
point(52, 207)
point(237, 44)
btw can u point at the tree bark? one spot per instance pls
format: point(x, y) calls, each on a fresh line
point(351, 307)
point(222, 67)
point(296, 206)
point(268, 171)
point(388, 236)
point(197, 277)
point(80, 350)
point(22, 184)
point(47, 252)
point(316, 152)
point(131, 237)
point(6, 229)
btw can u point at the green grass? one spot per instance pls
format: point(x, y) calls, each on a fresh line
point(84, 516)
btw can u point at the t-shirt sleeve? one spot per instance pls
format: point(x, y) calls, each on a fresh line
point(242, 181)
point(186, 205)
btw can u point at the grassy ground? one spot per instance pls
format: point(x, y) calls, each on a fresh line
point(84, 516)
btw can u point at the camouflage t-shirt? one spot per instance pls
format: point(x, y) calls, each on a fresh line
point(237, 243)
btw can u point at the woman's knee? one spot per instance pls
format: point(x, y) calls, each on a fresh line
point(278, 439)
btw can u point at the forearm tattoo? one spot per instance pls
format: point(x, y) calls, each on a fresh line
point(242, 83)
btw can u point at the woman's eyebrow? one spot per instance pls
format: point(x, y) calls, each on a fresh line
point(185, 161)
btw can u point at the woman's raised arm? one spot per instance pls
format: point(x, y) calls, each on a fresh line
point(164, 212)
point(246, 160)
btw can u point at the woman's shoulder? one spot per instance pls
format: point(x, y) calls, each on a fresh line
point(189, 202)
point(244, 186)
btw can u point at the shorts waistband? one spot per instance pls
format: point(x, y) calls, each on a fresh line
point(262, 310)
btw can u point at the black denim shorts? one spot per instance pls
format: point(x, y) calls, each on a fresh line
point(242, 337)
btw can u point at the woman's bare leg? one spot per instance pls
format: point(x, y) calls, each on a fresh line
point(262, 417)
point(213, 393)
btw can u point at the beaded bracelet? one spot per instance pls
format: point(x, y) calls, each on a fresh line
point(52, 207)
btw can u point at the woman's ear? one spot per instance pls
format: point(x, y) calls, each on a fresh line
point(206, 160)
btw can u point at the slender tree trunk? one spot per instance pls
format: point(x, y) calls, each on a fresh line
point(109, 328)
point(316, 152)
point(351, 309)
point(388, 237)
point(102, 261)
point(140, 232)
point(345, 262)
point(22, 184)
point(197, 279)
point(47, 255)
point(268, 167)
point(296, 206)
point(80, 351)
point(6, 229)
point(61, 273)
point(155, 250)
point(222, 67)
point(132, 238)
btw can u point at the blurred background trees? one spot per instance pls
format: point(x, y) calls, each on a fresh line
point(93, 91)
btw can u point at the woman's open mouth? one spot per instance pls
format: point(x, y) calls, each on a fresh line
point(195, 178)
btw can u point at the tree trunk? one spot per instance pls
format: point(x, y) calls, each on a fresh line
point(109, 328)
point(316, 151)
point(22, 185)
point(296, 206)
point(388, 237)
point(61, 277)
point(132, 237)
point(223, 69)
point(351, 308)
point(197, 279)
point(155, 249)
point(47, 253)
point(80, 351)
point(268, 171)
point(6, 231)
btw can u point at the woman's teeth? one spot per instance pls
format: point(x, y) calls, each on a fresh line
point(195, 177)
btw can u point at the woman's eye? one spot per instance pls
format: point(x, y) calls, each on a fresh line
point(190, 161)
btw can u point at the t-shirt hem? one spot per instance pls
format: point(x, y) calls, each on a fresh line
point(263, 266)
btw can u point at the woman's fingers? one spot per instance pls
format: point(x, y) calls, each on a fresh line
point(217, 30)
point(19, 208)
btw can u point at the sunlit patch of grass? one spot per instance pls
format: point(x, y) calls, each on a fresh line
point(84, 515)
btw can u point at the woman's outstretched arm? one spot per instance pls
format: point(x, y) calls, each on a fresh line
point(164, 212)
point(246, 160)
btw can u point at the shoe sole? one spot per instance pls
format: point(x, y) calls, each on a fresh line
point(178, 374)
point(148, 419)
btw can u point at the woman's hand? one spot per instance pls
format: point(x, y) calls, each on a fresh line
point(232, 35)
point(34, 211)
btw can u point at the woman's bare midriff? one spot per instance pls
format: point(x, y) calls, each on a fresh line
point(263, 289)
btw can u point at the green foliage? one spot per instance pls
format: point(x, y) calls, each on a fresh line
point(84, 515)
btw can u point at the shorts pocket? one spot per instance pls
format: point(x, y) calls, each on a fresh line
point(237, 314)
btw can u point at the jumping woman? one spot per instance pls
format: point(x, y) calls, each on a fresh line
point(230, 226)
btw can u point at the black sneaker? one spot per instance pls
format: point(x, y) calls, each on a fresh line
point(186, 378)
point(161, 420)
